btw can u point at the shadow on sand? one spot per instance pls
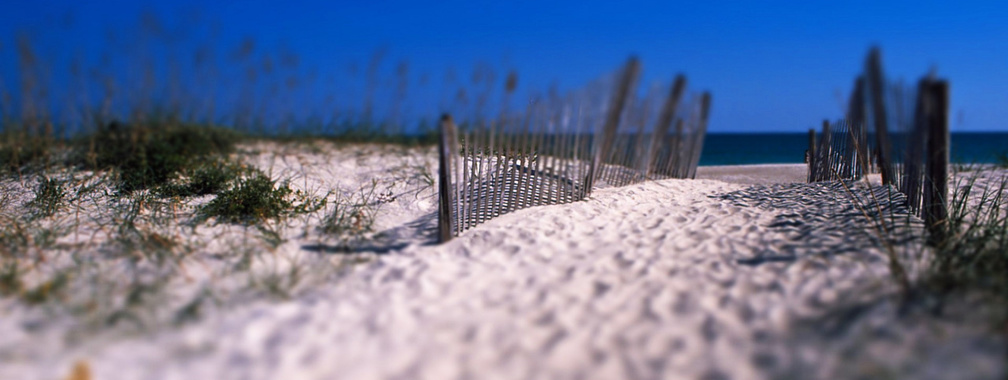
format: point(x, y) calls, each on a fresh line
point(421, 231)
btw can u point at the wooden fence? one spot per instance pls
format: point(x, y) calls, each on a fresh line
point(898, 131)
point(561, 148)
point(839, 153)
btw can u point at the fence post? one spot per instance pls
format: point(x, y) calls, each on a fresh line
point(705, 101)
point(664, 123)
point(674, 166)
point(915, 161)
point(445, 141)
point(811, 154)
point(825, 149)
point(856, 119)
point(604, 144)
point(936, 180)
point(876, 86)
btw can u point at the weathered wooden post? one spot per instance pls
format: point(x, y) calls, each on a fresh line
point(705, 104)
point(810, 156)
point(856, 119)
point(876, 87)
point(674, 166)
point(825, 149)
point(664, 123)
point(936, 180)
point(446, 143)
point(914, 162)
point(603, 143)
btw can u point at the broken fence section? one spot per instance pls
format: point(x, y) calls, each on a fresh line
point(561, 148)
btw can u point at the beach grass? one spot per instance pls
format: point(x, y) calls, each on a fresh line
point(49, 196)
point(255, 198)
point(113, 173)
point(971, 260)
point(155, 175)
point(974, 256)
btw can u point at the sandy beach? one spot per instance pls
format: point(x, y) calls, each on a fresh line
point(744, 273)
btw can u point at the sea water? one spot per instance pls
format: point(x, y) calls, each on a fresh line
point(783, 148)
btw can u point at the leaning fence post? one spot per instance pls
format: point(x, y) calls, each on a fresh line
point(445, 141)
point(664, 122)
point(705, 103)
point(811, 154)
point(604, 143)
point(915, 160)
point(876, 87)
point(856, 118)
point(936, 180)
point(825, 151)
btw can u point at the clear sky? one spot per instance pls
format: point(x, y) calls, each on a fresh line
point(770, 65)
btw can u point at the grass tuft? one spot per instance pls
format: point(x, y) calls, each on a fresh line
point(253, 199)
point(208, 178)
point(353, 216)
point(49, 197)
point(974, 256)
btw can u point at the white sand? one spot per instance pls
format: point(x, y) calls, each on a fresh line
point(755, 174)
point(706, 278)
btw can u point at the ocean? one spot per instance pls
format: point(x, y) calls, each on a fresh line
point(785, 148)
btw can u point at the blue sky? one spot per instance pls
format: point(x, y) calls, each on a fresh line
point(770, 65)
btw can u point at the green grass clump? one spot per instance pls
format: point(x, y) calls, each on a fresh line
point(212, 178)
point(254, 198)
point(148, 156)
point(208, 178)
point(49, 196)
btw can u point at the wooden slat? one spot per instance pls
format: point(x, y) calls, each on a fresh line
point(470, 154)
point(458, 181)
point(538, 147)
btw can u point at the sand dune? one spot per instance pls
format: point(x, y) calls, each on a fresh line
point(736, 276)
